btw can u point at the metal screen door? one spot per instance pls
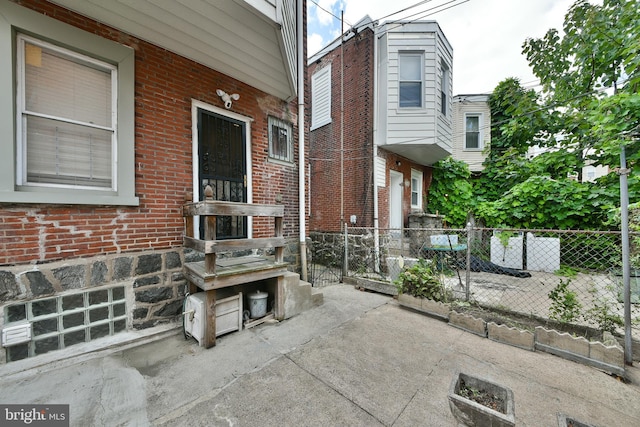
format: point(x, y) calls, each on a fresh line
point(222, 165)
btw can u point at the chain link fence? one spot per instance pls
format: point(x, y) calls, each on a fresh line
point(571, 277)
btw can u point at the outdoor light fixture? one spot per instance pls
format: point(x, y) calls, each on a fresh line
point(226, 98)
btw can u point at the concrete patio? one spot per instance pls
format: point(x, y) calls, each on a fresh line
point(359, 359)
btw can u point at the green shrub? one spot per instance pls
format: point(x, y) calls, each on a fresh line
point(422, 280)
point(565, 306)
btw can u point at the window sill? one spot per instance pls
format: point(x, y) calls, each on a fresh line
point(67, 198)
point(280, 162)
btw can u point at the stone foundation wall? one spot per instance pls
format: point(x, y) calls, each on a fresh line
point(328, 248)
point(154, 282)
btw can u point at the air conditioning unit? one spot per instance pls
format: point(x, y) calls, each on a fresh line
point(228, 315)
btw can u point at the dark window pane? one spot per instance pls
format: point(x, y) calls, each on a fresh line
point(45, 326)
point(411, 94)
point(472, 140)
point(98, 297)
point(99, 331)
point(119, 310)
point(46, 345)
point(17, 352)
point(16, 312)
point(72, 301)
point(72, 338)
point(71, 320)
point(119, 325)
point(47, 306)
point(118, 293)
point(98, 314)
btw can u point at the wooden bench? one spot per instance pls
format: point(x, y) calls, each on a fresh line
point(215, 273)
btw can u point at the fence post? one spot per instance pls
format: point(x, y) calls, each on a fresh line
point(345, 261)
point(468, 271)
point(624, 213)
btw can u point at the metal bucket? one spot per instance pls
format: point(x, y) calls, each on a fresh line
point(258, 304)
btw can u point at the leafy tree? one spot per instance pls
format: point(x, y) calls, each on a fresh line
point(589, 108)
point(511, 135)
point(591, 78)
point(543, 202)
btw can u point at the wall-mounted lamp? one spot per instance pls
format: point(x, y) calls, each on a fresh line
point(226, 98)
point(398, 163)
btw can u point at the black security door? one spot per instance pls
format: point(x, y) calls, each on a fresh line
point(221, 154)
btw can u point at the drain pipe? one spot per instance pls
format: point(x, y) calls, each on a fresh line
point(374, 149)
point(301, 167)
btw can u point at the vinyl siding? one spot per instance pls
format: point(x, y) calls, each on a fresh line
point(413, 125)
point(462, 106)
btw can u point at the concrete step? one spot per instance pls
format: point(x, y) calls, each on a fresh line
point(299, 295)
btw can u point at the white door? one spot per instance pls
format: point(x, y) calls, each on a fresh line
point(395, 199)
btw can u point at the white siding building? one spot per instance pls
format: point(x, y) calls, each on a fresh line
point(414, 116)
point(471, 129)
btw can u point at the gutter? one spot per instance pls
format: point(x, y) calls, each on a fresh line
point(301, 166)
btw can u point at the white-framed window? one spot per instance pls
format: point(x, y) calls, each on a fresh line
point(321, 97)
point(416, 189)
point(68, 96)
point(410, 72)
point(472, 132)
point(445, 78)
point(66, 117)
point(280, 140)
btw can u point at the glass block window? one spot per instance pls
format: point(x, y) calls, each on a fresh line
point(66, 320)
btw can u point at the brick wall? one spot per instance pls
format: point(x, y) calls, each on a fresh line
point(325, 142)
point(404, 166)
point(165, 85)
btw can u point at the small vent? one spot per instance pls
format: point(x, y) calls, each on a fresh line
point(16, 334)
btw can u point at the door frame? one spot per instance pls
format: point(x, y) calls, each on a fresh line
point(396, 179)
point(195, 106)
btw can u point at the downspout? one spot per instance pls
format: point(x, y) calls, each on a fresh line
point(301, 167)
point(374, 149)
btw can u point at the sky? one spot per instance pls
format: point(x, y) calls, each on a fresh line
point(486, 35)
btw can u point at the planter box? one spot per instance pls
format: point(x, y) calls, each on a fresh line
point(561, 344)
point(567, 421)
point(511, 336)
point(468, 323)
point(430, 307)
point(470, 413)
point(372, 285)
point(579, 349)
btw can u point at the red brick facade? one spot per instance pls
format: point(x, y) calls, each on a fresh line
point(165, 85)
point(324, 142)
point(325, 145)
